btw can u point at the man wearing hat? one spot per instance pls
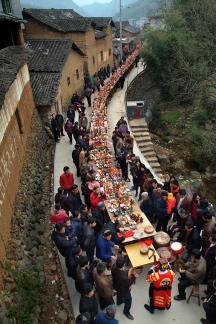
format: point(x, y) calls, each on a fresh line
point(161, 279)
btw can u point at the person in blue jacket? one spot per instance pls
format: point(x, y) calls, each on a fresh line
point(108, 317)
point(104, 246)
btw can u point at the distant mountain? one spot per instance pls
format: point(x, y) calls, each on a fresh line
point(140, 8)
point(105, 9)
point(57, 4)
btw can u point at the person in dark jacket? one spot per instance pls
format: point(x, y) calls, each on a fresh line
point(122, 281)
point(63, 243)
point(122, 81)
point(54, 128)
point(122, 160)
point(101, 216)
point(59, 197)
point(86, 191)
point(104, 247)
point(146, 206)
point(209, 306)
point(75, 157)
point(78, 226)
point(88, 93)
point(75, 198)
point(210, 257)
point(69, 228)
point(161, 212)
point(69, 129)
point(71, 114)
point(83, 275)
point(72, 261)
point(108, 317)
point(89, 238)
point(76, 131)
point(190, 238)
point(108, 71)
point(113, 226)
point(60, 122)
point(137, 175)
point(88, 302)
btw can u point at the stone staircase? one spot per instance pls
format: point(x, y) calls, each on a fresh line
point(142, 136)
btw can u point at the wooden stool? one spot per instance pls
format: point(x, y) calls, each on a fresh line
point(195, 292)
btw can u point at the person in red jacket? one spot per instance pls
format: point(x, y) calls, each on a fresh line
point(161, 279)
point(58, 216)
point(96, 196)
point(66, 180)
point(171, 202)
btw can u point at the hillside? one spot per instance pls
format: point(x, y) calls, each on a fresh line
point(140, 8)
point(105, 9)
point(57, 4)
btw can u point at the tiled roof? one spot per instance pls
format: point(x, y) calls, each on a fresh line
point(124, 23)
point(101, 22)
point(45, 87)
point(100, 34)
point(11, 60)
point(9, 17)
point(63, 20)
point(131, 29)
point(48, 55)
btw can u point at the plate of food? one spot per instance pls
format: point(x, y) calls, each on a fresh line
point(149, 229)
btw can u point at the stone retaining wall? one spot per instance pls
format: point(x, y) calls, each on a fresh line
point(30, 247)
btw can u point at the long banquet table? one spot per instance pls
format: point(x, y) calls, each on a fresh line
point(107, 174)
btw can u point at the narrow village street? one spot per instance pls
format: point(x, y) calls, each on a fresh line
point(122, 93)
point(180, 312)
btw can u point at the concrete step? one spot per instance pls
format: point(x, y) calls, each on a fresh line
point(147, 145)
point(143, 133)
point(143, 139)
point(138, 123)
point(149, 154)
point(139, 129)
point(147, 149)
point(155, 165)
point(151, 159)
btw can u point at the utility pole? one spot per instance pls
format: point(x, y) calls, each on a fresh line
point(120, 23)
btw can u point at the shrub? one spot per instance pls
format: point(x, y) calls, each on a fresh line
point(25, 296)
point(171, 117)
point(200, 117)
point(202, 145)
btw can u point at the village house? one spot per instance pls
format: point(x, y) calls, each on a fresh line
point(56, 70)
point(128, 31)
point(103, 40)
point(16, 109)
point(92, 37)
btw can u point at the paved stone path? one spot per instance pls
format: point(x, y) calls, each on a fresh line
point(180, 312)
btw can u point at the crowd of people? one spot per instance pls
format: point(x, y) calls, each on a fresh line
point(88, 240)
point(188, 219)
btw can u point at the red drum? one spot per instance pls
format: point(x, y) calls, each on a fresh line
point(177, 248)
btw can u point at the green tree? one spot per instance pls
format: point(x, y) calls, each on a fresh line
point(182, 54)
